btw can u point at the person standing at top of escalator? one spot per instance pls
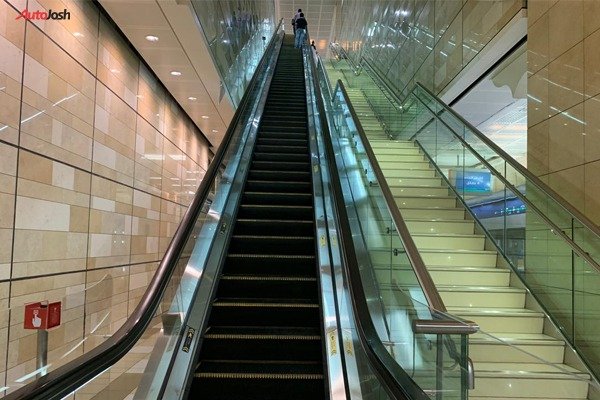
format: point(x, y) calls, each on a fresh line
point(296, 16)
point(301, 25)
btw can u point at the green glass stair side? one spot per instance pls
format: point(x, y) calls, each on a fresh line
point(402, 301)
point(556, 241)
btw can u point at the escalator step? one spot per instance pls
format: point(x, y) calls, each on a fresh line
point(261, 344)
point(256, 385)
point(294, 176)
point(281, 165)
point(266, 312)
point(279, 198)
point(264, 338)
point(278, 186)
point(282, 149)
point(270, 264)
point(274, 287)
point(272, 244)
point(273, 227)
point(259, 156)
point(273, 211)
point(281, 140)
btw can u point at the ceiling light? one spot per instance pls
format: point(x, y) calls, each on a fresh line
point(175, 73)
point(205, 117)
point(192, 98)
point(114, 70)
point(77, 34)
point(152, 38)
point(215, 131)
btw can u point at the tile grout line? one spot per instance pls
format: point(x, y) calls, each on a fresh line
point(14, 226)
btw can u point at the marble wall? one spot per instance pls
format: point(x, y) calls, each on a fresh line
point(564, 99)
point(97, 165)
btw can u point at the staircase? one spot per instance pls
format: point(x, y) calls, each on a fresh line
point(468, 278)
point(264, 333)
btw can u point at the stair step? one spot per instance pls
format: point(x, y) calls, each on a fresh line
point(482, 297)
point(467, 258)
point(404, 202)
point(412, 191)
point(414, 182)
point(504, 320)
point(400, 158)
point(519, 380)
point(449, 241)
point(379, 144)
point(424, 172)
point(420, 165)
point(432, 226)
point(445, 214)
point(467, 276)
point(393, 151)
point(532, 348)
point(272, 244)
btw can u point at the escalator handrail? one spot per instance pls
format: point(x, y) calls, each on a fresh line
point(547, 190)
point(397, 383)
point(66, 378)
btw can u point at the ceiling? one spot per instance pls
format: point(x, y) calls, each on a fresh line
point(181, 47)
point(320, 15)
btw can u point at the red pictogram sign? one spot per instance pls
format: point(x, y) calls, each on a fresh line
point(42, 315)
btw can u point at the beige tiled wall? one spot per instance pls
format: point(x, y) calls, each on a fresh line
point(97, 166)
point(564, 99)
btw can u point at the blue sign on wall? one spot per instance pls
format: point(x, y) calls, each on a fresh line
point(473, 181)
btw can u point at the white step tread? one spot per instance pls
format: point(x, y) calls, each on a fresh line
point(484, 289)
point(528, 370)
point(515, 339)
point(454, 251)
point(454, 235)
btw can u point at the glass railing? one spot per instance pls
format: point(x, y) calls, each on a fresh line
point(395, 288)
point(552, 247)
point(134, 362)
point(557, 257)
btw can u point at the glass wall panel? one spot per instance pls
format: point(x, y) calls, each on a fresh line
point(237, 32)
point(429, 41)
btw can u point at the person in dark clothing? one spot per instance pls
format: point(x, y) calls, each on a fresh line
point(301, 26)
point(296, 16)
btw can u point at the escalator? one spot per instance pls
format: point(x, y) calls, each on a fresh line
point(260, 294)
point(263, 337)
